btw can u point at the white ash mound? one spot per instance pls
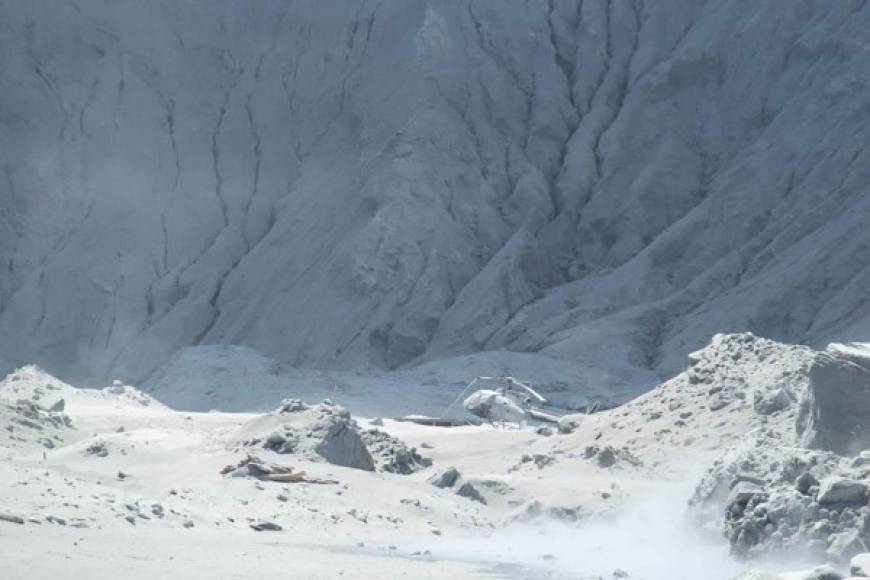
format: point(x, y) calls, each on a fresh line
point(33, 383)
point(327, 432)
point(27, 424)
point(32, 409)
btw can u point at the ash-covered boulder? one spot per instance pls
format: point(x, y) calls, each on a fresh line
point(835, 412)
point(834, 490)
point(319, 432)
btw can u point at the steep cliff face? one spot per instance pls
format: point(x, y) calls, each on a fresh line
point(376, 184)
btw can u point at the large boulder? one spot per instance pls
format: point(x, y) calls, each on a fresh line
point(835, 412)
point(834, 490)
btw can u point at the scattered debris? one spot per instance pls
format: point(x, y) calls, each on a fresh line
point(97, 449)
point(392, 455)
point(255, 467)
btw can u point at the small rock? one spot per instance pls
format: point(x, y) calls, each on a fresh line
point(467, 490)
point(744, 491)
point(446, 478)
point(718, 402)
point(542, 461)
point(772, 402)
point(568, 424)
point(265, 526)
point(606, 457)
point(11, 518)
point(805, 482)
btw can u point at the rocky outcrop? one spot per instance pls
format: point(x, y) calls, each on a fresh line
point(327, 432)
point(835, 413)
point(324, 432)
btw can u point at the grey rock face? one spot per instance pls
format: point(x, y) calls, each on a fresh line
point(835, 414)
point(341, 444)
point(408, 181)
